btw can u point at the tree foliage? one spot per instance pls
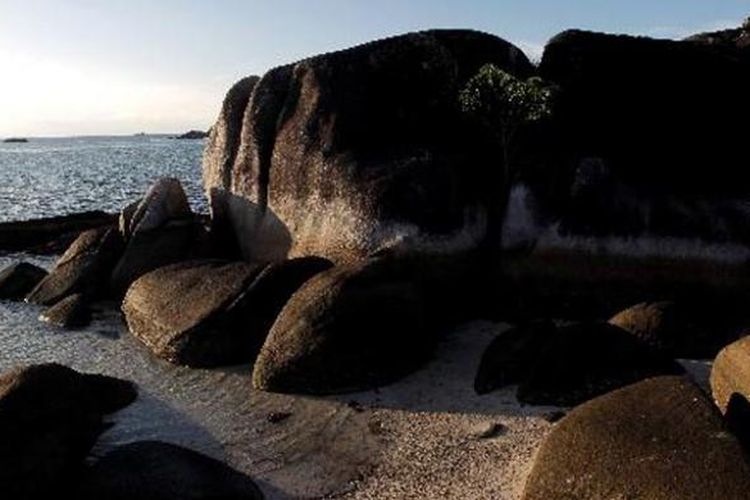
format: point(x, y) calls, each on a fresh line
point(504, 103)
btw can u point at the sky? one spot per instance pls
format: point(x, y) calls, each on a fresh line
point(81, 67)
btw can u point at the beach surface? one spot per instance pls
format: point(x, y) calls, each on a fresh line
point(426, 436)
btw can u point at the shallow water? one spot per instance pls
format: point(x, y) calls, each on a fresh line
point(57, 176)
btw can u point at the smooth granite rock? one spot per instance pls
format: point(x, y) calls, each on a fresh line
point(510, 357)
point(50, 417)
point(660, 439)
point(71, 312)
point(17, 280)
point(692, 331)
point(191, 313)
point(350, 328)
point(345, 154)
point(587, 360)
point(730, 373)
point(83, 268)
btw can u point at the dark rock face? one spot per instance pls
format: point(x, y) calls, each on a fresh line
point(161, 230)
point(191, 313)
point(224, 140)
point(165, 201)
point(510, 357)
point(347, 153)
point(737, 419)
point(49, 235)
point(641, 442)
point(261, 303)
point(349, 328)
point(17, 280)
point(738, 38)
point(71, 312)
point(677, 328)
point(149, 250)
point(81, 268)
point(218, 160)
point(729, 373)
point(50, 417)
point(645, 139)
point(588, 360)
point(156, 470)
point(658, 111)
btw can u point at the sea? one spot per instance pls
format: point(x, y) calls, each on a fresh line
point(58, 176)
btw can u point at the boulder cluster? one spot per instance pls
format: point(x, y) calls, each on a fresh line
point(354, 209)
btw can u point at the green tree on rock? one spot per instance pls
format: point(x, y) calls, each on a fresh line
point(505, 105)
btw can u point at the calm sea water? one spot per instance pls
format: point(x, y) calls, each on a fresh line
point(57, 176)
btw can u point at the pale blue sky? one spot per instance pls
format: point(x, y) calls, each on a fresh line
point(122, 66)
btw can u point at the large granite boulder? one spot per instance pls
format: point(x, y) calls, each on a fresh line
point(685, 330)
point(729, 374)
point(646, 140)
point(83, 268)
point(344, 154)
point(163, 471)
point(50, 417)
point(164, 201)
point(565, 366)
point(161, 230)
point(510, 357)
point(659, 112)
point(17, 280)
point(173, 242)
point(218, 160)
point(183, 312)
point(660, 439)
point(352, 327)
point(210, 313)
point(583, 361)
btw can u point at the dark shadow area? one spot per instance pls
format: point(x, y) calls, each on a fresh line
point(445, 384)
point(737, 418)
point(259, 234)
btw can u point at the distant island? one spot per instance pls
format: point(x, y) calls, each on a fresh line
point(193, 134)
point(15, 140)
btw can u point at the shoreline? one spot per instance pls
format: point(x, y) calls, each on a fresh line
point(415, 436)
point(419, 437)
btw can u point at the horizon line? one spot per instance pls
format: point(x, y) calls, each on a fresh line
point(84, 135)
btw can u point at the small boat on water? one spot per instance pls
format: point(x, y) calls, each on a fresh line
point(15, 140)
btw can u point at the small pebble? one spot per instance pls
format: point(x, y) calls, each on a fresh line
point(494, 430)
point(376, 427)
point(354, 405)
point(277, 417)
